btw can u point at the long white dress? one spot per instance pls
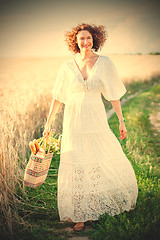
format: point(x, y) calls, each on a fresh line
point(94, 175)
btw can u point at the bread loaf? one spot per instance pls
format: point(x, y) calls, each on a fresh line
point(36, 145)
point(32, 147)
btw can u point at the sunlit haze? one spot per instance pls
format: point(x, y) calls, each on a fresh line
point(36, 28)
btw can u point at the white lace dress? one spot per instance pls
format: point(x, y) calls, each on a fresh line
point(94, 175)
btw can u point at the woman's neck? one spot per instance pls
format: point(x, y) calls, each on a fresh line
point(85, 55)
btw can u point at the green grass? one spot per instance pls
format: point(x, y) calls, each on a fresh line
point(38, 207)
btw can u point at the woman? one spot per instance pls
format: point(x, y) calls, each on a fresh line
point(94, 176)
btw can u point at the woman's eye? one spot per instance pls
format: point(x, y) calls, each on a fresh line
point(83, 38)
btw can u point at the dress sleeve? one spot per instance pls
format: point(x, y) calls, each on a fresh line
point(113, 87)
point(59, 91)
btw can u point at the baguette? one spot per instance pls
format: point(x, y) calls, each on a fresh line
point(36, 145)
point(32, 147)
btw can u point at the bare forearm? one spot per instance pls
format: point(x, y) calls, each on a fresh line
point(122, 128)
point(117, 108)
point(53, 110)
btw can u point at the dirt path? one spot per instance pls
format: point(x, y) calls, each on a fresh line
point(155, 119)
point(78, 238)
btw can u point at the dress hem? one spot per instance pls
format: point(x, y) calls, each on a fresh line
point(98, 218)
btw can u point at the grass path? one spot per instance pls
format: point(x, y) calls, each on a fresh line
point(141, 146)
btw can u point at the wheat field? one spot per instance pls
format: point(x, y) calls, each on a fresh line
point(25, 97)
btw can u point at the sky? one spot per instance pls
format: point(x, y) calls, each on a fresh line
point(36, 28)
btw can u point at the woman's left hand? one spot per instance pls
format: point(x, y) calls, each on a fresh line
point(123, 130)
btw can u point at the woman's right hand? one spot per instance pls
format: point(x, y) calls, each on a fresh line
point(46, 130)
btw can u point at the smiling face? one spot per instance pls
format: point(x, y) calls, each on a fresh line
point(84, 40)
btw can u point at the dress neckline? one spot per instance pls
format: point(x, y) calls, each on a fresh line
point(89, 71)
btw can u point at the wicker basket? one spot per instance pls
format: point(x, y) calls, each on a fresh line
point(37, 168)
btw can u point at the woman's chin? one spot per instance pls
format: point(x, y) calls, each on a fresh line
point(86, 49)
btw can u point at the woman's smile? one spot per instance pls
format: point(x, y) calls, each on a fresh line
point(86, 46)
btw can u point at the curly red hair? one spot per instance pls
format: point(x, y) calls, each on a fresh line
point(98, 33)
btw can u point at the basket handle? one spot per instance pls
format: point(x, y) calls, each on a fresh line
point(49, 143)
point(44, 139)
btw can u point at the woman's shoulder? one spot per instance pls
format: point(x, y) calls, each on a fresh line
point(66, 66)
point(105, 58)
point(67, 62)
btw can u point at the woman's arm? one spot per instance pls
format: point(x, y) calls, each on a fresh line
point(55, 104)
point(117, 108)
